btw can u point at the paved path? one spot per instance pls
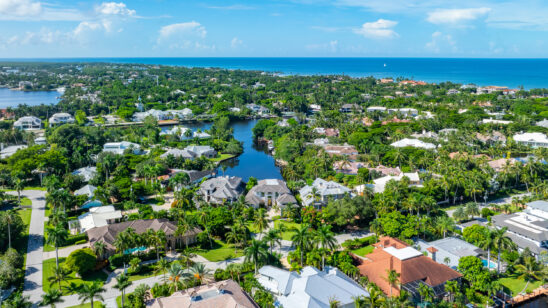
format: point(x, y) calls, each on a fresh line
point(63, 252)
point(33, 270)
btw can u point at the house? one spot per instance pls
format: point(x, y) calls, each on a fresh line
point(386, 80)
point(40, 141)
point(347, 167)
point(180, 131)
point(221, 294)
point(160, 115)
point(97, 217)
point(453, 92)
point(376, 109)
point(342, 150)
point(28, 123)
point(414, 269)
point(407, 142)
point(448, 250)
point(6, 152)
point(329, 132)
point(490, 89)
point(380, 183)
point(60, 118)
point(201, 150)
point(528, 229)
point(222, 189)
point(120, 147)
point(407, 112)
point(197, 135)
point(107, 234)
point(87, 190)
point(321, 141)
point(321, 191)
point(270, 192)
point(311, 288)
point(543, 123)
point(386, 170)
point(535, 140)
point(500, 164)
point(196, 176)
point(347, 108)
point(87, 173)
point(258, 109)
point(315, 108)
point(494, 121)
point(495, 137)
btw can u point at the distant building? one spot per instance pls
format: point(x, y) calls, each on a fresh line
point(60, 118)
point(347, 108)
point(376, 109)
point(341, 150)
point(380, 183)
point(160, 115)
point(321, 191)
point(258, 109)
point(222, 294)
point(543, 123)
point(87, 190)
point(191, 152)
point(222, 189)
point(494, 121)
point(97, 217)
point(28, 123)
point(120, 147)
point(6, 152)
point(535, 140)
point(415, 143)
point(270, 192)
point(87, 173)
point(311, 288)
point(348, 167)
point(448, 250)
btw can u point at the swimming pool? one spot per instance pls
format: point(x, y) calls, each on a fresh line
point(491, 264)
point(132, 250)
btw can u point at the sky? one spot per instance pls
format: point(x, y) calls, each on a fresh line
point(274, 28)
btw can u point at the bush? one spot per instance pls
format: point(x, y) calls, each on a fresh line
point(76, 239)
point(81, 261)
point(486, 212)
point(160, 290)
point(80, 242)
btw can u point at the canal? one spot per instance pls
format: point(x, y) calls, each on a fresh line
point(12, 98)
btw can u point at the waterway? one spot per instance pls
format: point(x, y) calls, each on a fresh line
point(253, 162)
point(12, 98)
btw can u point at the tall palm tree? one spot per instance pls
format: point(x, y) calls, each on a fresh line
point(51, 297)
point(260, 220)
point(528, 271)
point(488, 243)
point(157, 239)
point(99, 249)
point(59, 275)
point(19, 185)
point(501, 242)
point(325, 239)
point(392, 277)
point(444, 224)
point(9, 218)
point(91, 291)
point(186, 257)
point(122, 283)
point(162, 266)
point(273, 237)
point(56, 237)
point(256, 252)
point(426, 293)
point(301, 239)
point(233, 236)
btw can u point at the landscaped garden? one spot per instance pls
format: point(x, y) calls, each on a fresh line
point(48, 267)
point(220, 252)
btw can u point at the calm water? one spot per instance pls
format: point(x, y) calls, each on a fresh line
point(540, 302)
point(11, 98)
point(531, 73)
point(254, 161)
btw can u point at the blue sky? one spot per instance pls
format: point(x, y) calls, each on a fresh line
point(274, 28)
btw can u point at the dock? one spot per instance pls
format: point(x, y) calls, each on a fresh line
point(518, 299)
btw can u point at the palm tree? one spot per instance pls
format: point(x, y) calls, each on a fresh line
point(492, 289)
point(60, 274)
point(392, 277)
point(260, 220)
point(157, 239)
point(19, 185)
point(233, 236)
point(501, 242)
point(56, 237)
point(301, 239)
point(162, 266)
point(376, 297)
point(528, 271)
point(256, 252)
point(487, 243)
point(200, 272)
point(51, 297)
point(176, 272)
point(9, 218)
point(273, 237)
point(141, 294)
point(452, 287)
point(91, 291)
point(18, 301)
point(122, 282)
point(99, 249)
point(186, 257)
point(426, 293)
point(444, 224)
point(325, 239)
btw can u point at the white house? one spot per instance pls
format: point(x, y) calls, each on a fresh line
point(60, 118)
point(28, 122)
point(98, 217)
point(311, 288)
point(376, 109)
point(416, 143)
point(87, 173)
point(321, 191)
point(87, 190)
point(162, 115)
point(180, 131)
point(535, 140)
point(543, 123)
point(494, 121)
point(120, 147)
point(380, 183)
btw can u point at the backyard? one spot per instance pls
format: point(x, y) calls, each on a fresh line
point(363, 251)
point(286, 235)
point(221, 251)
point(515, 285)
point(49, 268)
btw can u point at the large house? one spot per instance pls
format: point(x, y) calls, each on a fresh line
point(60, 118)
point(415, 143)
point(528, 229)
point(191, 152)
point(448, 250)
point(311, 288)
point(535, 140)
point(27, 123)
point(87, 173)
point(97, 217)
point(107, 234)
point(270, 192)
point(380, 183)
point(321, 191)
point(221, 294)
point(414, 268)
point(120, 147)
point(347, 108)
point(222, 189)
point(162, 115)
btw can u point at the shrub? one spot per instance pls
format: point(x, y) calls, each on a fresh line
point(160, 290)
point(80, 242)
point(81, 261)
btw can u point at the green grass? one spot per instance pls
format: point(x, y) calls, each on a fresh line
point(515, 285)
point(288, 225)
point(22, 245)
point(26, 201)
point(363, 251)
point(145, 272)
point(221, 252)
point(252, 227)
point(96, 304)
point(49, 267)
point(119, 300)
point(222, 157)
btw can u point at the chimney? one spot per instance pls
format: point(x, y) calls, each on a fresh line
point(432, 253)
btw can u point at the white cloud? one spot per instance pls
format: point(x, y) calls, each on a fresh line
point(232, 7)
point(455, 16)
point(235, 42)
point(36, 11)
point(332, 46)
point(184, 29)
point(441, 42)
point(381, 28)
point(20, 8)
point(113, 8)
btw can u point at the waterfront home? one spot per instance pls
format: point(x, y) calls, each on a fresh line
point(270, 192)
point(107, 234)
point(160, 115)
point(543, 123)
point(222, 189)
point(120, 147)
point(87, 173)
point(191, 152)
point(413, 267)
point(500, 164)
point(527, 229)
point(347, 108)
point(221, 294)
point(448, 250)
point(311, 288)
point(535, 140)
point(197, 135)
point(321, 191)
point(415, 143)
point(348, 167)
point(6, 152)
point(180, 131)
point(28, 123)
point(60, 118)
point(258, 109)
point(196, 176)
point(96, 217)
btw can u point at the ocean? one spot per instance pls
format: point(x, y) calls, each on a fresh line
point(529, 73)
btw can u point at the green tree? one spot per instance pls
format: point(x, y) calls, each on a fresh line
point(10, 217)
point(51, 297)
point(90, 292)
point(501, 242)
point(392, 277)
point(60, 274)
point(260, 220)
point(56, 237)
point(530, 270)
point(302, 238)
point(162, 266)
point(81, 261)
point(325, 240)
point(256, 252)
point(122, 283)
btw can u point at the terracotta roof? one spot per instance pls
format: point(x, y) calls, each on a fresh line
point(432, 249)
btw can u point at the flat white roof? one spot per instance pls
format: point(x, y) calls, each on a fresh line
point(404, 253)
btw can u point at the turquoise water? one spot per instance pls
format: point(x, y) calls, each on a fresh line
point(132, 250)
point(531, 73)
point(491, 265)
point(11, 98)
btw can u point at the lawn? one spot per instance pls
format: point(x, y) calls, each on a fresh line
point(515, 285)
point(87, 305)
point(363, 251)
point(22, 245)
point(252, 227)
point(49, 267)
point(145, 272)
point(221, 252)
point(222, 157)
point(288, 225)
